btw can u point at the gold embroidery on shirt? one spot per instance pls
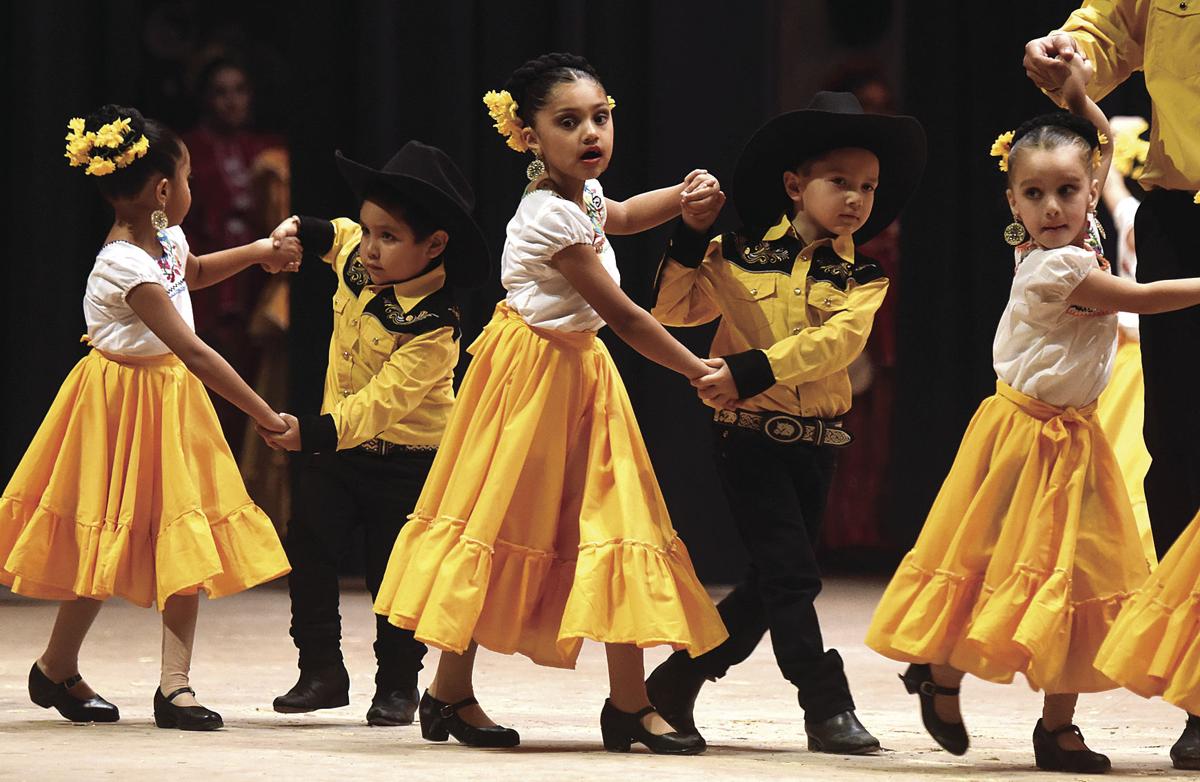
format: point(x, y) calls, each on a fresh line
point(357, 272)
point(843, 270)
point(763, 253)
point(396, 315)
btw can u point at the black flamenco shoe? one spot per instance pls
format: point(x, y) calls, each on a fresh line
point(168, 715)
point(1051, 757)
point(620, 729)
point(1185, 754)
point(440, 720)
point(673, 688)
point(950, 736)
point(46, 693)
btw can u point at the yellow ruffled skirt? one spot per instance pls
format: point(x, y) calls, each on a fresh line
point(1121, 411)
point(1154, 647)
point(542, 523)
point(1026, 557)
point(130, 489)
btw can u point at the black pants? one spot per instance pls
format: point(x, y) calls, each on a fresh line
point(1166, 250)
point(336, 494)
point(777, 494)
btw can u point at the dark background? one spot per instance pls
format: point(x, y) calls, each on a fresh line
point(692, 80)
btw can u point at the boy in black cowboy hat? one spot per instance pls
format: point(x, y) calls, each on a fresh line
point(796, 308)
point(388, 394)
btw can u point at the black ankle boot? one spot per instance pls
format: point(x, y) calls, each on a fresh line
point(620, 729)
point(950, 736)
point(841, 734)
point(673, 688)
point(1186, 752)
point(46, 693)
point(440, 720)
point(391, 707)
point(1051, 757)
point(317, 688)
point(168, 715)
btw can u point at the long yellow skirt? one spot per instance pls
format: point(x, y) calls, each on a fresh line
point(1154, 647)
point(542, 523)
point(130, 489)
point(1121, 411)
point(1027, 554)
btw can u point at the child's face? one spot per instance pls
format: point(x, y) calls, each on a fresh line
point(389, 251)
point(573, 132)
point(836, 191)
point(178, 191)
point(1052, 191)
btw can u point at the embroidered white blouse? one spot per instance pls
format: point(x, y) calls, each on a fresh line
point(1046, 348)
point(544, 224)
point(113, 326)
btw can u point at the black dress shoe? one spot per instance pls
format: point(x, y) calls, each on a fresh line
point(393, 707)
point(320, 688)
point(1186, 752)
point(46, 693)
point(168, 715)
point(841, 734)
point(1051, 757)
point(440, 720)
point(950, 736)
point(620, 729)
point(673, 689)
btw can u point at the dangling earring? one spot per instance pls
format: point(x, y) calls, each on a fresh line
point(1014, 232)
point(536, 167)
point(158, 219)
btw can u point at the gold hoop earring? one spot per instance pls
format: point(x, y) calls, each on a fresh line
point(1015, 233)
point(158, 219)
point(536, 168)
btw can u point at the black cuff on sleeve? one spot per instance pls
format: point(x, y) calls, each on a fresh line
point(751, 372)
point(687, 246)
point(316, 234)
point(318, 434)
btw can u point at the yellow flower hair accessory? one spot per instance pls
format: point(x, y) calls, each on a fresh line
point(612, 104)
point(94, 149)
point(1129, 148)
point(503, 111)
point(1196, 198)
point(1001, 147)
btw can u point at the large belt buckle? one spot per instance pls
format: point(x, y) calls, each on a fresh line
point(783, 429)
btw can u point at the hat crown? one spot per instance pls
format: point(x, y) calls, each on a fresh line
point(835, 103)
point(434, 167)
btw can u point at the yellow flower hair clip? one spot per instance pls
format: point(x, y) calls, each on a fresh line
point(503, 111)
point(1001, 147)
point(93, 149)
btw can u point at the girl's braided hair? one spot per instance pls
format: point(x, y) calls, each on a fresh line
point(531, 83)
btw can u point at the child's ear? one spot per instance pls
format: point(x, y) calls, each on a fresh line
point(531, 140)
point(435, 245)
point(793, 185)
point(1012, 200)
point(162, 191)
point(1094, 195)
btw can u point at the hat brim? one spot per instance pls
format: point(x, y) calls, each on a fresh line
point(789, 139)
point(467, 260)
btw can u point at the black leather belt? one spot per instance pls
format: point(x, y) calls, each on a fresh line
point(380, 447)
point(786, 429)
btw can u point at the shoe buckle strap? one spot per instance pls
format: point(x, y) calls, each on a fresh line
point(450, 709)
point(929, 688)
point(179, 692)
point(71, 681)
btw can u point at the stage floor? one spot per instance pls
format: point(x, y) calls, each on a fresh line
point(244, 657)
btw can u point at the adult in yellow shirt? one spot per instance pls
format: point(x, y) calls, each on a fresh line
point(1162, 39)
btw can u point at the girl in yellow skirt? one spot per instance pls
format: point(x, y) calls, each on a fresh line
point(1031, 547)
point(129, 487)
point(541, 523)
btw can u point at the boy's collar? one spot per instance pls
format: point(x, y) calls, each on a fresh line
point(842, 245)
point(410, 292)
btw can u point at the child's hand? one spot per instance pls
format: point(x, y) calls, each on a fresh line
point(717, 386)
point(1074, 89)
point(283, 255)
point(701, 200)
point(289, 227)
point(287, 439)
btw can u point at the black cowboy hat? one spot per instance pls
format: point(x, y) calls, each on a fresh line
point(832, 120)
point(428, 178)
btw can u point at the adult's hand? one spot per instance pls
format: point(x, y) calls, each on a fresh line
point(1048, 60)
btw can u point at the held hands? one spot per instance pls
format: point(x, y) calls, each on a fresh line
point(1048, 60)
point(717, 386)
point(701, 200)
point(1074, 89)
point(287, 438)
point(285, 250)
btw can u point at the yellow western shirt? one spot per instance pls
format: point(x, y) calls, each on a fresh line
point(1162, 38)
point(793, 316)
point(392, 354)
